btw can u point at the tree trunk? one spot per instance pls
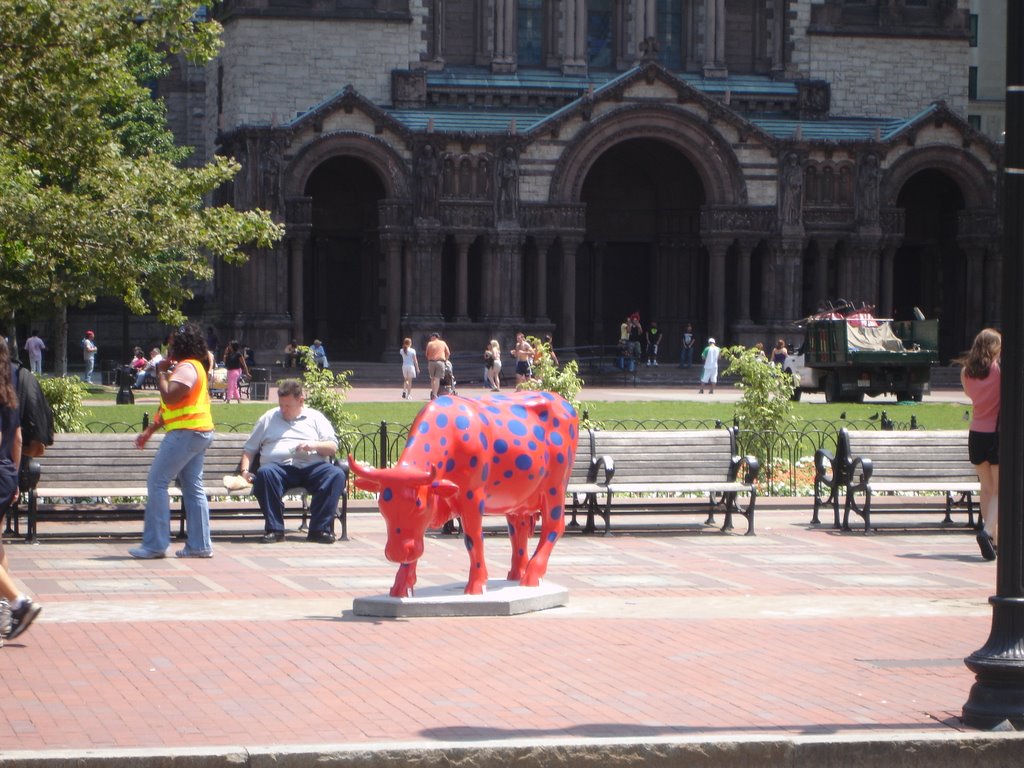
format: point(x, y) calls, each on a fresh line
point(60, 350)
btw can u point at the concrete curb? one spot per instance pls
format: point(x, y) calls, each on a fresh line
point(895, 750)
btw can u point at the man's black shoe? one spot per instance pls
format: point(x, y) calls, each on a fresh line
point(321, 537)
point(273, 536)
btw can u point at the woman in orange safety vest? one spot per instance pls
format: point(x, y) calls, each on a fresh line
point(185, 416)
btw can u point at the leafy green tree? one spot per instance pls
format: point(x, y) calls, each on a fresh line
point(326, 391)
point(94, 197)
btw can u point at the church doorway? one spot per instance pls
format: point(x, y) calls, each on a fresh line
point(641, 251)
point(343, 277)
point(929, 270)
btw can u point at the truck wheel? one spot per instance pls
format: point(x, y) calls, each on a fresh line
point(902, 395)
point(831, 388)
point(917, 395)
point(856, 397)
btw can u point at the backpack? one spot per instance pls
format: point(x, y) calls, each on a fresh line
point(36, 414)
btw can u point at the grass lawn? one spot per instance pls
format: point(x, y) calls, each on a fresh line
point(928, 415)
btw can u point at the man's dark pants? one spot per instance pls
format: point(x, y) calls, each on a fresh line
point(324, 481)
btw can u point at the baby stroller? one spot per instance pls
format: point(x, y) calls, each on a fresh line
point(447, 385)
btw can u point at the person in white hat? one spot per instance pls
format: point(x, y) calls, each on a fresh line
point(710, 358)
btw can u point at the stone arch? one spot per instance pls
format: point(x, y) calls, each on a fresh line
point(976, 183)
point(386, 162)
point(709, 153)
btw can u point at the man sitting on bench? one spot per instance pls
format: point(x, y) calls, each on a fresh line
point(294, 445)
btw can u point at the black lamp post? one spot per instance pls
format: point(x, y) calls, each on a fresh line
point(997, 696)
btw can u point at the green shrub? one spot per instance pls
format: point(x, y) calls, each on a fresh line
point(326, 391)
point(65, 394)
point(563, 380)
point(766, 405)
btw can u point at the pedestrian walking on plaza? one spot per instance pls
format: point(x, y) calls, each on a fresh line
point(185, 415)
point(234, 362)
point(523, 353)
point(438, 354)
point(89, 350)
point(981, 379)
point(710, 357)
point(35, 348)
point(410, 367)
point(492, 365)
point(17, 611)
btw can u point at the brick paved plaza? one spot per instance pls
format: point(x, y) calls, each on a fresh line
point(672, 632)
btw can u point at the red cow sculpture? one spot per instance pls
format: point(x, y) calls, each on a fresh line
point(500, 455)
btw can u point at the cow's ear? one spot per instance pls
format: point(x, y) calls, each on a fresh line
point(366, 484)
point(444, 488)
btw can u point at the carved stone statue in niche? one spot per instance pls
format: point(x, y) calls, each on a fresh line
point(508, 184)
point(428, 171)
point(868, 177)
point(448, 176)
point(791, 190)
point(465, 177)
point(483, 176)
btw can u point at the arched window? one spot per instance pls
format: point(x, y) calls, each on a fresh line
point(601, 34)
point(530, 33)
point(670, 33)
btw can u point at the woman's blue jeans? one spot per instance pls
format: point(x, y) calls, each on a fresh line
point(180, 455)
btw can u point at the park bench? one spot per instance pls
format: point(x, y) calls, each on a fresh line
point(674, 464)
point(80, 467)
point(584, 486)
point(920, 462)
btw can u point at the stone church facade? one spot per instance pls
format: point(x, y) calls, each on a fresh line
point(480, 167)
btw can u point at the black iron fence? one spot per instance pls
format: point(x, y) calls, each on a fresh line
point(786, 456)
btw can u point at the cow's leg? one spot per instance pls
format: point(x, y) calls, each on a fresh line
point(405, 580)
point(551, 529)
point(473, 537)
point(520, 528)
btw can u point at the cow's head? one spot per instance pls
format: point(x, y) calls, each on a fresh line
point(410, 499)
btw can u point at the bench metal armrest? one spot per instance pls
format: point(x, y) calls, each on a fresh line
point(607, 465)
point(737, 462)
point(859, 465)
point(753, 469)
point(826, 469)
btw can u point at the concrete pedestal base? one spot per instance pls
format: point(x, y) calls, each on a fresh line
point(503, 598)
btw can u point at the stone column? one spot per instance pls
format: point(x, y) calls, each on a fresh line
point(596, 322)
point(974, 292)
point(714, 38)
point(567, 322)
point(393, 268)
point(791, 289)
point(844, 272)
point(426, 298)
point(507, 264)
point(504, 36)
point(297, 244)
point(541, 286)
point(825, 248)
point(717, 248)
point(462, 245)
point(993, 284)
point(574, 54)
point(885, 280)
point(743, 278)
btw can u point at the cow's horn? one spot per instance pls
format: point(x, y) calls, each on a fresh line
point(364, 470)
